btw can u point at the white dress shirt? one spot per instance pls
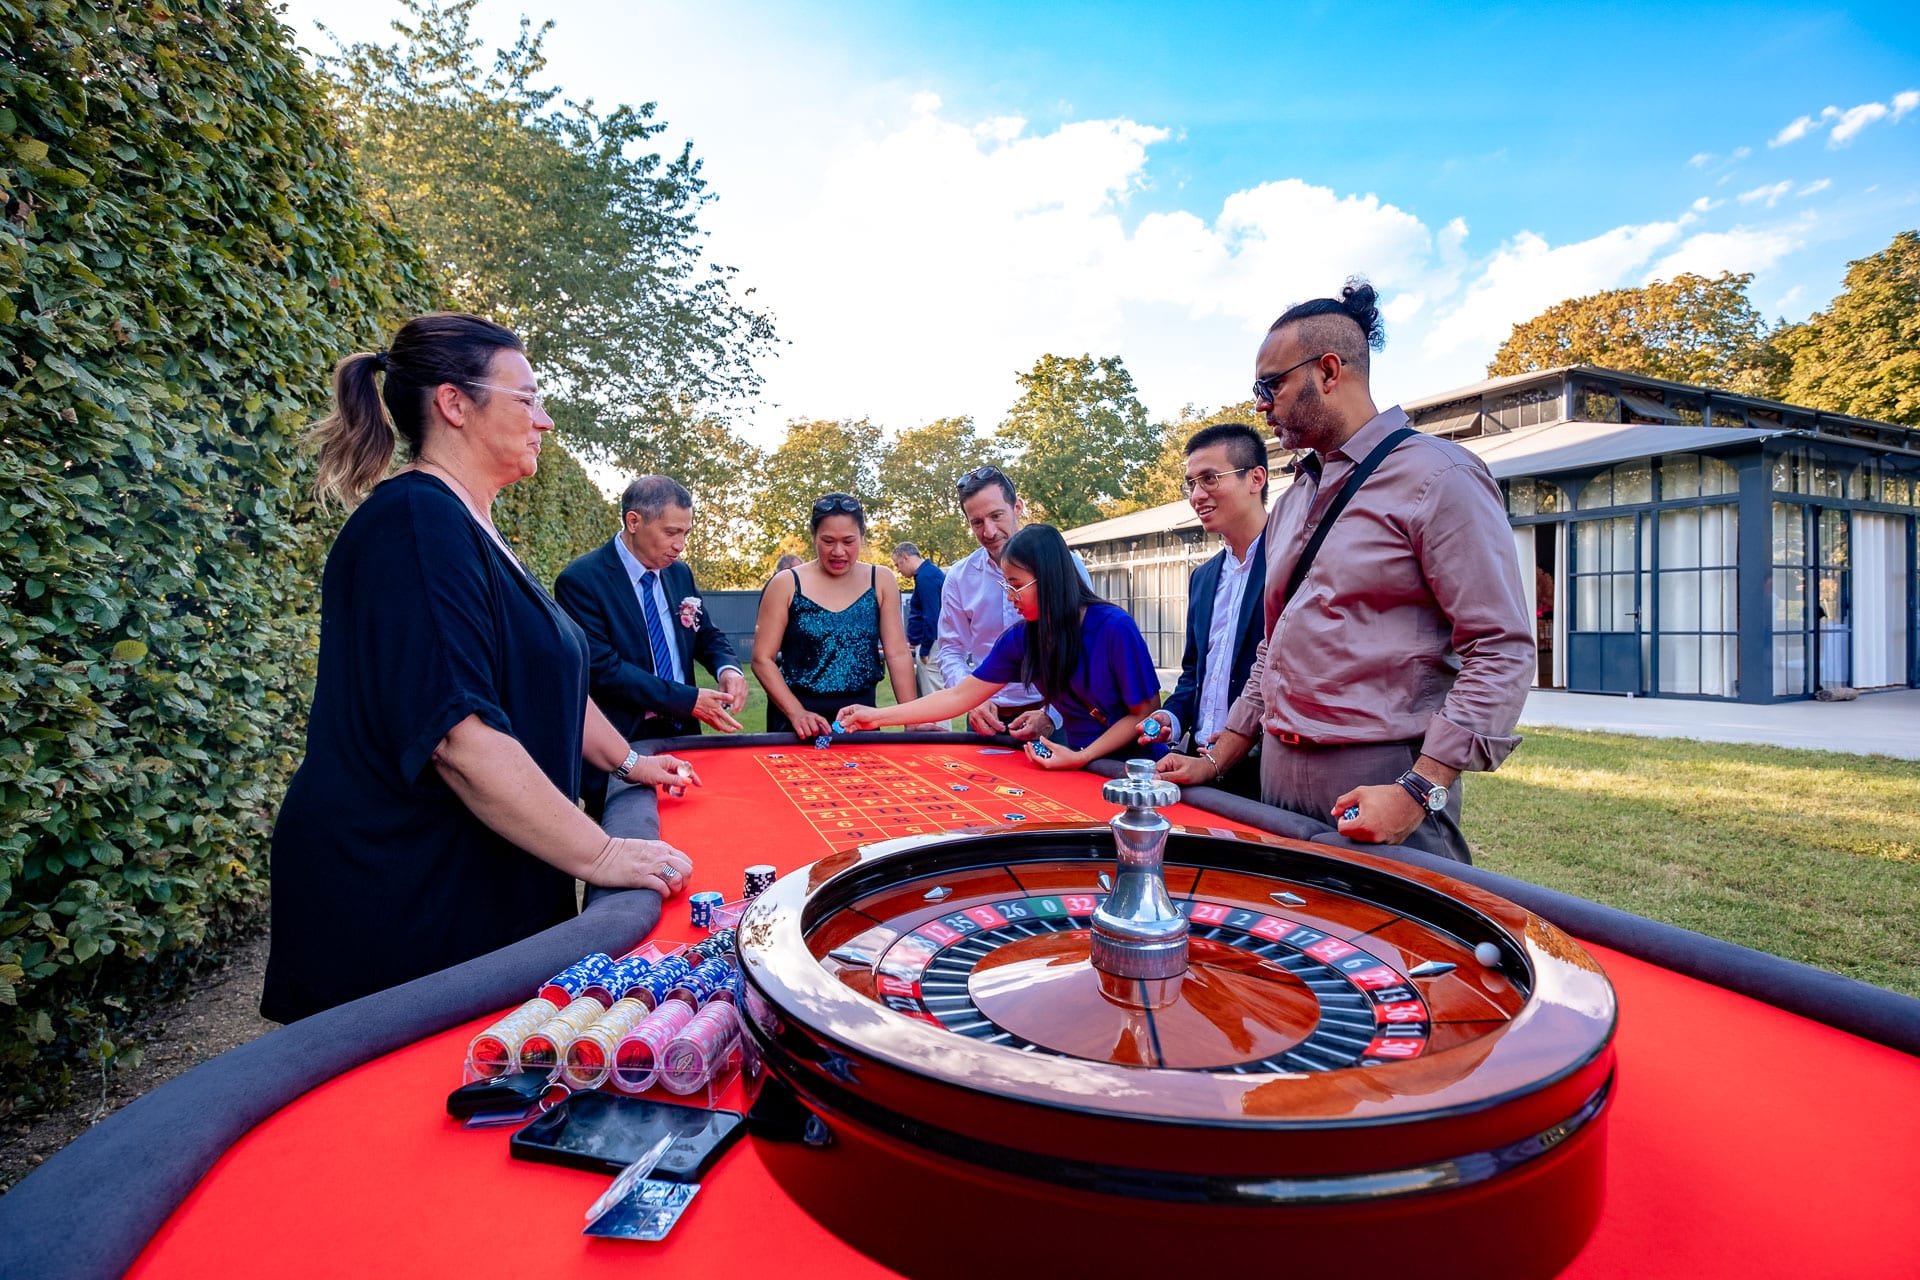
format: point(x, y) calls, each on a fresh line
point(1222, 635)
point(974, 613)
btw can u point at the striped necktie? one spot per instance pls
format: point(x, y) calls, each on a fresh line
point(656, 632)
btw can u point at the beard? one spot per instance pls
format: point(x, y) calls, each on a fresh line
point(1310, 424)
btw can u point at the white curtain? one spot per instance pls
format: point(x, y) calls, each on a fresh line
point(1879, 600)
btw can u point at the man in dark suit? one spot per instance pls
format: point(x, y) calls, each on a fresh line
point(646, 626)
point(1226, 484)
point(923, 614)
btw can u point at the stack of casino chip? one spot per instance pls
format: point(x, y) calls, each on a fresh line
point(702, 1049)
point(702, 984)
point(577, 977)
point(543, 1050)
point(636, 1058)
point(760, 879)
point(715, 946)
point(496, 1051)
point(590, 1057)
point(700, 906)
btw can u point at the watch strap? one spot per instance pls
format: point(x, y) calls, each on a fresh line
point(625, 767)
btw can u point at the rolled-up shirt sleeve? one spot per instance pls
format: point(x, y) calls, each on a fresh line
point(1460, 535)
point(1248, 711)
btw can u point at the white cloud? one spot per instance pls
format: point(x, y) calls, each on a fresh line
point(1853, 120)
point(1739, 153)
point(1701, 159)
point(1801, 127)
point(1741, 249)
point(1705, 204)
point(1847, 124)
point(1813, 187)
point(1772, 194)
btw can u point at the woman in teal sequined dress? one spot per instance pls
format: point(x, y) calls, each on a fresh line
point(824, 626)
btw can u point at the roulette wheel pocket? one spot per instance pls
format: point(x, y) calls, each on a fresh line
point(604, 1133)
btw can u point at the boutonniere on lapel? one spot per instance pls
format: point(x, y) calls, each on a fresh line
point(690, 612)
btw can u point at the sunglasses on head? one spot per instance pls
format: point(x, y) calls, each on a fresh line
point(837, 502)
point(976, 475)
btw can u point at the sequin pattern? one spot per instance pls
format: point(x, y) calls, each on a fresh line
point(824, 651)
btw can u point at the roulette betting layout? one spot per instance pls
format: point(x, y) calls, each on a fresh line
point(849, 794)
point(1243, 1041)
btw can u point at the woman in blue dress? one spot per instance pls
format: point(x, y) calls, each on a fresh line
point(825, 626)
point(434, 818)
point(1084, 654)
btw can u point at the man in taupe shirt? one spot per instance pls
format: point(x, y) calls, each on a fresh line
point(1404, 657)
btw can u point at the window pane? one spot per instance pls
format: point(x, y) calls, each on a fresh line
point(1680, 538)
point(1720, 600)
point(1520, 501)
point(1717, 477)
point(1789, 665)
point(1679, 602)
point(1632, 482)
point(1679, 664)
point(1598, 492)
point(1679, 476)
point(1590, 405)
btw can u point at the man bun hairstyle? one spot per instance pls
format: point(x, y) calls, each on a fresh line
point(1348, 326)
point(358, 439)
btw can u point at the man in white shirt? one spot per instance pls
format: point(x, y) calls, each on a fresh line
point(1226, 484)
point(975, 610)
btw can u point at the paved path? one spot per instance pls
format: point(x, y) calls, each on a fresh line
point(1886, 724)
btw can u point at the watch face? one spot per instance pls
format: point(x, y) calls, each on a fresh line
point(1436, 799)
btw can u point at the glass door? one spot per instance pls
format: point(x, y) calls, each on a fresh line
point(1607, 637)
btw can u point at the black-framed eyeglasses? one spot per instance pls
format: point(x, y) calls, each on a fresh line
point(1207, 481)
point(837, 502)
point(977, 476)
point(1263, 388)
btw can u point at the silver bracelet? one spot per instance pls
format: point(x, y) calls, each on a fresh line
point(625, 767)
point(1207, 751)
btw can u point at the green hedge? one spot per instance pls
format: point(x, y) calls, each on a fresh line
point(184, 252)
point(554, 515)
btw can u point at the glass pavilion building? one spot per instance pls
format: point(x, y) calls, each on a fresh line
point(1676, 541)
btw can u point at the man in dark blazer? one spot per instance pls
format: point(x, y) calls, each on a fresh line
point(1226, 484)
point(646, 626)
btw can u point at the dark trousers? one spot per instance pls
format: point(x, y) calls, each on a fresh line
point(1307, 779)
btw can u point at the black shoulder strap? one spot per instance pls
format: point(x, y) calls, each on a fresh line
point(1352, 486)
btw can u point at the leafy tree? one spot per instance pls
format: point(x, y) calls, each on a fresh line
point(816, 458)
point(723, 471)
point(1159, 481)
point(1688, 329)
point(557, 220)
point(1081, 436)
point(917, 474)
point(1862, 354)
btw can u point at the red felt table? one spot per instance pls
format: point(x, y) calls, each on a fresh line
point(1745, 1141)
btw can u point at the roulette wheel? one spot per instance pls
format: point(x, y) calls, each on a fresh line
point(1125, 1048)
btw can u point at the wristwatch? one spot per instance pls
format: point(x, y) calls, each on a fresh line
point(1430, 796)
point(625, 767)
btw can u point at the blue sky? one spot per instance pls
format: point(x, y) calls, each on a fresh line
point(930, 196)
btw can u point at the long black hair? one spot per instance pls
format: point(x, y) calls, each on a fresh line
point(1054, 645)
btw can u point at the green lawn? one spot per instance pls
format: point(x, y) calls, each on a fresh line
point(754, 718)
point(1810, 855)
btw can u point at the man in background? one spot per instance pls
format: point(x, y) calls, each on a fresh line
point(646, 626)
point(923, 613)
point(1226, 484)
point(975, 610)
